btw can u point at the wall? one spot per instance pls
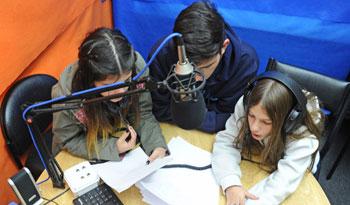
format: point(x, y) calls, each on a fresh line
point(309, 33)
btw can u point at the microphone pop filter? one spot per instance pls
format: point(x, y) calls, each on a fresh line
point(188, 114)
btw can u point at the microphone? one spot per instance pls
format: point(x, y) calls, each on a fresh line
point(185, 82)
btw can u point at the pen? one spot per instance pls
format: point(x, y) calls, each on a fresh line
point(128, 138)
point(97, 161)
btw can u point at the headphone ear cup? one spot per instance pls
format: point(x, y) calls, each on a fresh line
point(247, 93)
point(292, 120)
point(245, 99)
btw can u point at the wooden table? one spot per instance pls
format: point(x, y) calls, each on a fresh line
point(309, 191)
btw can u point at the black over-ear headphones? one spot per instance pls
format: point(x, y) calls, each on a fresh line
point(297, 113)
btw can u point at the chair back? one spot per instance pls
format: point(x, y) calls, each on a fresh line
point(28, 90)
point(333, 94)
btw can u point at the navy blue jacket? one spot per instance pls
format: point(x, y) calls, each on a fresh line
point(225, 86)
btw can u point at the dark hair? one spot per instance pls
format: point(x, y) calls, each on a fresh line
point(104, 52)
point(203, 30)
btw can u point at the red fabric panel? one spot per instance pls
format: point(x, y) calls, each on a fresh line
point(28, 27)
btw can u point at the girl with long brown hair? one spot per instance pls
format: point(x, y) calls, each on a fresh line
point(276, 124)
point(105, 130)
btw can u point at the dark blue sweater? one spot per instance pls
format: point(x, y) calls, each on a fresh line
point(225, 86)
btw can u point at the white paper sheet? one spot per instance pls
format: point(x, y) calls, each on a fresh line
point(150, 198)
point(122, 175)
point(178, 186)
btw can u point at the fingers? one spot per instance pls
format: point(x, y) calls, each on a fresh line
point(129, 136)
point(157, 153)
point(241, 201)
point(233, 202)
point(124, 136)
point(153, 156)
point(133, 135)
point(127, 140)
point(237, 195)
point(250, 196)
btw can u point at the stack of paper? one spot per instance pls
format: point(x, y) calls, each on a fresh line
point(122, 175)
point(178, 186)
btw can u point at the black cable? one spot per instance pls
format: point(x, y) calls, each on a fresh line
point(199, 168)
point(60, 194)
point(48, 200)
point(187, 166)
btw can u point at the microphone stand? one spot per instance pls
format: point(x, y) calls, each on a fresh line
point(87, 97)
point(79, 99)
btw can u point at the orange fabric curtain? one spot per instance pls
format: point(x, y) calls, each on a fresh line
point(41, 37)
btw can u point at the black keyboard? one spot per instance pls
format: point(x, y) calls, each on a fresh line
point(101, 195)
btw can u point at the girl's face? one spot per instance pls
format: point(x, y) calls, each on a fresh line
point(113, 79)
point(260, 124)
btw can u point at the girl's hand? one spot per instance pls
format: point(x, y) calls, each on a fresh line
point(158, 152)
point(236, 195)
point(127, 141)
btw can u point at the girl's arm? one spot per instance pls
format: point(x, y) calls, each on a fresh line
point(226, 158)
point(290, 171)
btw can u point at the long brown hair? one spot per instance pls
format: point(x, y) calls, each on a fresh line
point(277, 100)
point(104, 52)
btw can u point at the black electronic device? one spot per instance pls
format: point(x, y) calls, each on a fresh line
point(24, 186)
point(101, 195)
point(297, 113)
point(185, 83)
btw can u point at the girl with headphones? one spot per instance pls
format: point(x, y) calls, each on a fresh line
point(276, 124)
point(102, 130)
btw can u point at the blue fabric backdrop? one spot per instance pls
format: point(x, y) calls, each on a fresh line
point(314, 34)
